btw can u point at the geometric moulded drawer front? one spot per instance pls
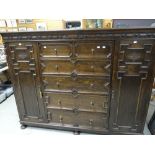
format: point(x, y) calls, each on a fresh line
point(84, 102)
point(97, 84)
point(99, 50)
point(101, 68)
point(78, 119)
point(55, 49)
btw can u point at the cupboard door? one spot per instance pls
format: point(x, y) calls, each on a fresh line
point(23, 65)
point(132, 84)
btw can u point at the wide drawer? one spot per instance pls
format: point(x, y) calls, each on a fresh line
point(78, 83)
point(80, 67)
point(78, 119)
point(83, 102)
point(55, 49)
point(100, 50)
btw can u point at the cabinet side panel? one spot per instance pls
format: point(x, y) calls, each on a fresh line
point(129, 90)
point(28, 91)
point(22, 61)
point(132, 84)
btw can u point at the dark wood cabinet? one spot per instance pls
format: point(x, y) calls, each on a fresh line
point(97, 81)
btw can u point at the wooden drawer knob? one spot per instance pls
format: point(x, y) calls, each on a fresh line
point(91, 85)
point(92, 67)
point(91, 122)
point(61, 119)
point(58, 84)
point(92, 50)
point(92, 103)
point(55, 50)
point(59, 102)
point(56, 66)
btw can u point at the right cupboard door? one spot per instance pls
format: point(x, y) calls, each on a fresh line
point(132, 84)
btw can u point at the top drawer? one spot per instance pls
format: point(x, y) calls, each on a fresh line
point(101, 50)
point(56, 49)
point(85, 49)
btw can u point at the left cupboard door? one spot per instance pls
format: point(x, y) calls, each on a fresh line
point(24, 71)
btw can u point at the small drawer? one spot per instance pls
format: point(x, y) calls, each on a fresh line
point(99, 50)
point(81, 101)
point(55, 49)
point(78, 119)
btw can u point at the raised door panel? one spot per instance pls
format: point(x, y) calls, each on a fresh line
point(132, 84)
point(22, 60)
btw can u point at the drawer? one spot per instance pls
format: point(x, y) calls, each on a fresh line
point(78, 119)
point(55, 49)
point(78, 83)
point(81, 101)
point(80, 67)
point(100, 50)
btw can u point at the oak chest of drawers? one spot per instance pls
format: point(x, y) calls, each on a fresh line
point(97, 81)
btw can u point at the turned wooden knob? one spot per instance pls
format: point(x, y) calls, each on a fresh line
point(92, 103)
point(92, 67)
point(92, 50)
point(91, 122)
point(56, 66)
point(61, 119)
point(55, 50)
point(58, 84)
point(59, 102)
point(91, 85)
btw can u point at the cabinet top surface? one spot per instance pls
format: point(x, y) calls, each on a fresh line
point(112, 30)
point(78, 34)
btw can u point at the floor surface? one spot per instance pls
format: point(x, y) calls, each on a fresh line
point(9, 122)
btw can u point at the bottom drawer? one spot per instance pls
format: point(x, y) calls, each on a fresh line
point(78, 119)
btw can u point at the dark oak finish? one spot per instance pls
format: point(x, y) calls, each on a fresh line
point(97, 81)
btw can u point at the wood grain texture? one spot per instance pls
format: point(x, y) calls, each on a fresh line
point(96, 81)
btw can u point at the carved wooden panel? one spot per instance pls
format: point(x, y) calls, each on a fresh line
point(133, 65)
point(24, 67)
